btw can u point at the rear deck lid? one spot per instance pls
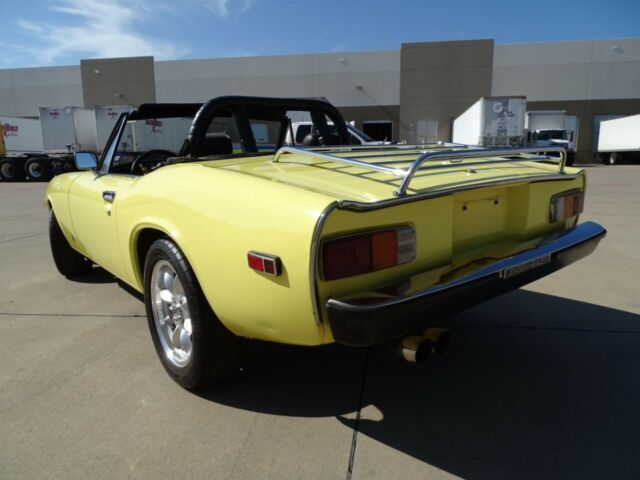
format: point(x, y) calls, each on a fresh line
point(377, 173)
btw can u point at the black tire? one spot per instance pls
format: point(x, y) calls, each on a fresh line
point(38, 169)
point(60, 166)
point(57, 167)
point(68, 165)
point(11, 169)
point(608, 158)
point(215, 351)
point(69, 262)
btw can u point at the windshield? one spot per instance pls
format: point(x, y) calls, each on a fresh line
point(356, 136)
point(141, 136)
point(360, 133)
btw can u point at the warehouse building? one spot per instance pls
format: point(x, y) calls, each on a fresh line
point(409, 94)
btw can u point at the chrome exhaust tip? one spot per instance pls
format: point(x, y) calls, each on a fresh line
point(439, 338)
point(414, 348)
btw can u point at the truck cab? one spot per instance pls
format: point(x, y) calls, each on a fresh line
point(551, 137)
point(547, 128)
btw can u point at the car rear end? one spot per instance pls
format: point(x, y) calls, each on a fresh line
point(458, 236)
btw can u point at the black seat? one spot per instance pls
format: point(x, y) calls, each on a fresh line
point(216, 144)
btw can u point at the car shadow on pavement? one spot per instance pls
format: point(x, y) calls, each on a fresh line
point(95, 275)
point(533, 386)
point(100, 275)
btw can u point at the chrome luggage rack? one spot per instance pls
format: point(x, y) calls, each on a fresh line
point(447, 159)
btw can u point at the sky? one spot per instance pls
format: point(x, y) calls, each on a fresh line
point(61, 32)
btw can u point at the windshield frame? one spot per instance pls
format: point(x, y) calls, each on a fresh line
point(360, 134)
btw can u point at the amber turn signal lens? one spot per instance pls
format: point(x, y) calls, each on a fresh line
point(368, 252)
point(566, 205)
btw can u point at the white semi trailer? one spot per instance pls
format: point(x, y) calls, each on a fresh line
point(21, 135)
point(106, 117)
point(619, 140)
point(20, 148)
point(492, 122)
point(62, 131)
point(53, 138)
point(68, 130)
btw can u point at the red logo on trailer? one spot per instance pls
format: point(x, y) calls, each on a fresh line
point(9, 130)
point(54, 114)
point(112, 114)
point(156, 125)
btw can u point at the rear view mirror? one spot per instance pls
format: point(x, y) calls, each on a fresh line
point(85, 160)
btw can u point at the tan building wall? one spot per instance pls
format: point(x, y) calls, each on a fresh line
point(24, 90)
point(118, 81)
point(582, 70)
point(438, 81)
point(346, 78)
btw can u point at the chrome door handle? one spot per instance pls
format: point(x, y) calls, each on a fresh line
point(108, 196)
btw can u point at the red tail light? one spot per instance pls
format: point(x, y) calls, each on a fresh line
point(566, 205)
point(367, 252)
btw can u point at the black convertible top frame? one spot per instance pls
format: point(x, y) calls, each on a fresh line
point(242, 108)
point(148, 111)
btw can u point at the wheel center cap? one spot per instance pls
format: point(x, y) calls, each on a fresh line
point(176, 312)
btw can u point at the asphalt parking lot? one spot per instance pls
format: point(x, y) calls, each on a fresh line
point(541, 383)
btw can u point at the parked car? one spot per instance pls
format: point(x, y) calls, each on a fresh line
point(329, 243)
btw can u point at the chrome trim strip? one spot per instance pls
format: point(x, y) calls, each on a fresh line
point(392, 146)
point(458, 156)
point(455, 159)
point(314, 260)
point(105, 163)
point(550, 245)
point(330, 158)
point(362, 206)
point(422, 151)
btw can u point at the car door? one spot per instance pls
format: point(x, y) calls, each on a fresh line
point(93, 201)
point(93, 204)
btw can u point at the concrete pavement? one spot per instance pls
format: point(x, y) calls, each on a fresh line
point(540, 383)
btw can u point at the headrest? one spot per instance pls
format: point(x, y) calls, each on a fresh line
point(314, 139)
point(311, 139)
point(216, 144)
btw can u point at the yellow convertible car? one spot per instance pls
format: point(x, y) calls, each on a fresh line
point(232, 233)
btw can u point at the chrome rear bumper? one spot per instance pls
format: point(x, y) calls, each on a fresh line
point(366, 320)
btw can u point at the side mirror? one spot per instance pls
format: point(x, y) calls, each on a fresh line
point(85, 160)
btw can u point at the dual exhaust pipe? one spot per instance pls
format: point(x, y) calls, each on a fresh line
point(417, 348)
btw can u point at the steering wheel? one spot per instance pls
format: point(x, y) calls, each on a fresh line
point(146, 161)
